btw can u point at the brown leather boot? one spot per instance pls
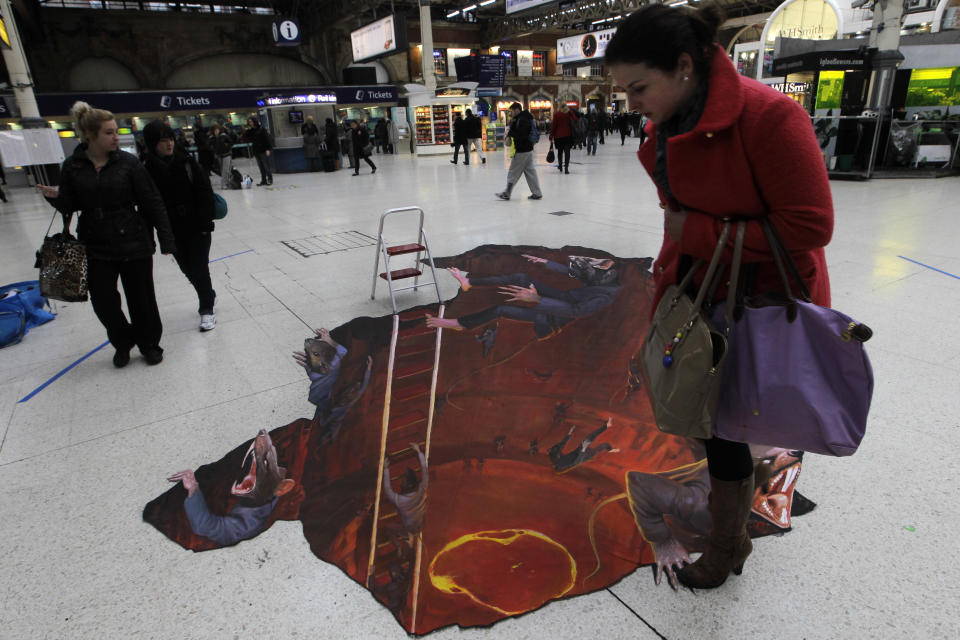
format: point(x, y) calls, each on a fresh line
point(728, 545)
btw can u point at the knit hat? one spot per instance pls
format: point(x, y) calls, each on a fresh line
point(156, 131)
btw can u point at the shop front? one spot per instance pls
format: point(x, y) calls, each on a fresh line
point(432, 115)
point(541, 107)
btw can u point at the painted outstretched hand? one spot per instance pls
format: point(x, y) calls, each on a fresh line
point(670, 555)
point(188, 479)
point(517, 293)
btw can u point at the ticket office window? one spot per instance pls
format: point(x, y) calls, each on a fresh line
point(539, 63)
point(440, 62)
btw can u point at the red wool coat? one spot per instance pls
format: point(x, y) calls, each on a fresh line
point(753, 153)
point(562, 124)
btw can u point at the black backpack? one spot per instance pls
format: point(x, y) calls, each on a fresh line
point(236, 180)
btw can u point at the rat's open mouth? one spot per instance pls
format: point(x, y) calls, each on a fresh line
point(249, 482)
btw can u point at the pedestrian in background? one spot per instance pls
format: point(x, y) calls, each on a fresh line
point(259, 140)
point(346, 142)
point(561, 133)
point(188, 199)
point(393, 136)
point(360, 144)
point(380, 136)
point(474, 127)
point(119, 210)
point(222, 146)
point(522, 162)
point(593, 131)
point(311, 148)
point(460, 139)
point(309, 127)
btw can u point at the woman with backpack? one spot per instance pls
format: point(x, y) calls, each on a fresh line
point(561, 134)
point(188, 197)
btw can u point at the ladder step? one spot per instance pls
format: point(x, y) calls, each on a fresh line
point(414, 314)
point(406, 420)
point(401, 249)
point(413, 391)
point(412, 368)
point(414, 349)
point(417, 330)
point(400, 274)
point(401, 450)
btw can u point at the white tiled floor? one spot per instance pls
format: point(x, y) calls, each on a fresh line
point(79, 460)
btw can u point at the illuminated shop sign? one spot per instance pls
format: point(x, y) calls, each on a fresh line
point(310, 98)
point(803, 19)
point(791, 87)
point(541, 104)
point(448, 92)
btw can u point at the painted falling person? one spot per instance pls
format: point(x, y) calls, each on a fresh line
point(553, 308)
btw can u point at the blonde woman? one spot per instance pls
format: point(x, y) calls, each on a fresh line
point(119, 209)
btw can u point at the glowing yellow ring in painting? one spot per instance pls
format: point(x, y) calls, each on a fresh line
point(447, 584)
point(3, 33)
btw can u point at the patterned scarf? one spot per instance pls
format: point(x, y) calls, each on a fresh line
point(682, 121)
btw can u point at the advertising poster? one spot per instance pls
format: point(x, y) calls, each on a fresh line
point(586, 46)
point(524, 63)
point(375, 39)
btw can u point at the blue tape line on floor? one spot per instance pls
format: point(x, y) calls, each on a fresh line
point(946, 273)
point(51, 380)
point(231, 255)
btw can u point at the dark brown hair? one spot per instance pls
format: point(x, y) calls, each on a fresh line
point(656, 35)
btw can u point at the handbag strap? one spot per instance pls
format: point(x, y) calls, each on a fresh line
point(777, 249)
point(776, 243)
point(711, 272)
point(732, 286)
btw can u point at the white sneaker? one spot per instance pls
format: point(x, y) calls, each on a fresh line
point(208, 322)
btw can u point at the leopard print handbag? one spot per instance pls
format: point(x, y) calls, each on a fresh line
point(62, 260)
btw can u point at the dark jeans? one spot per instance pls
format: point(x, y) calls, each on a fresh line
point(313, 164)
point(466, 151)
point(193, 257)
point(144, 328)
point(263, 163)
point(727, 460)
point(366, 158)
point(563, 151)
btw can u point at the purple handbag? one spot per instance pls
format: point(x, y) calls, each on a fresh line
point(797, 375)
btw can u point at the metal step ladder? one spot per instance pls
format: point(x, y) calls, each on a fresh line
point(419, 247)
point(408, 413)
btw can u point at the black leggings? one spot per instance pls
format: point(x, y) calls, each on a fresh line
point(727, 460)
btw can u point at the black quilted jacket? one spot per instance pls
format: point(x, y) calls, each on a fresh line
point(119, 206)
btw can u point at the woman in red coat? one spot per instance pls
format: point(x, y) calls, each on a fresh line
point(721, 145)
point(561, 134)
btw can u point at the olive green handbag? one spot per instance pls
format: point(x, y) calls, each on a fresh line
point(682, 356)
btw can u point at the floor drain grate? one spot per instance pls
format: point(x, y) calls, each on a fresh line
point(330, 243)
point(560, 213)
